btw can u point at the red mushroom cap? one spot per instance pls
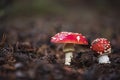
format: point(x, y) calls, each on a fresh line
point(69, 37)
point(101, 46)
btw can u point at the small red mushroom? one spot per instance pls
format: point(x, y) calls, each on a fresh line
point(102, 47)
point(69, 39)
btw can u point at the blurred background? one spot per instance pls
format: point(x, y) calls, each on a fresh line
point(36, 21)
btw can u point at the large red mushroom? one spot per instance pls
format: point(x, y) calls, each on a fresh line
point(102, 47)
point(69, 39)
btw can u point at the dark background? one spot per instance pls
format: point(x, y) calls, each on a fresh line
point(26, 27)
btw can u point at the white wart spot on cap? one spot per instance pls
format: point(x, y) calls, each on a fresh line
point(109, 50)
point(61, 38)
point(53, 38)
point(100, 53)
point(78, 38)
point(83, 36)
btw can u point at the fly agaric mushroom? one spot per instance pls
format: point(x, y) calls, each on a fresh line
point(69, 39)
point(103, 48)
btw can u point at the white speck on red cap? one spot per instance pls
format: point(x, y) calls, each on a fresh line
point(78, 38)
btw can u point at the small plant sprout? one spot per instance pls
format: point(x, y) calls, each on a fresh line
point(69, 39)
point(102, 47)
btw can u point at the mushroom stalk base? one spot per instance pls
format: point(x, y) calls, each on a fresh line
point(68, 57)
point(103, 59)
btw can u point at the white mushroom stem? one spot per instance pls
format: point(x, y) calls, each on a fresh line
point(68, 57)
point(68, 49)
point(104, 59)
